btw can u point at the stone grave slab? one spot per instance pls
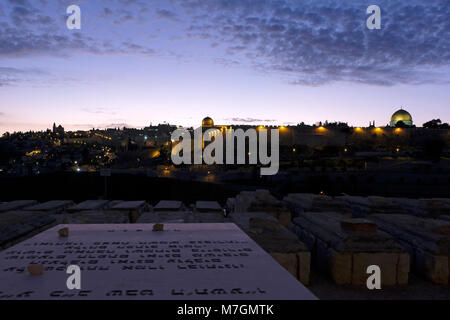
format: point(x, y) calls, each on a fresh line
point(185, 261)
point(206, 217)
point(133, 209)
point(426, 240)
point(16, 205)
point(89, 205)
point(15, 226)
point(301, 202)
point(96, 217)
point(208, 206)
point(55, 206)
point(114, 203)
point(166, 205)
point(280, 243)
point(364, 206)
point(163, 217)
point(345, 247)
point(130, 205)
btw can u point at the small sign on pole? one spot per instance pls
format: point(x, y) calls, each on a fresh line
point(105, 172)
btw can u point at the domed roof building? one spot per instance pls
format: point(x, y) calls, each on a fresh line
point(207, 122)
point(401, 116)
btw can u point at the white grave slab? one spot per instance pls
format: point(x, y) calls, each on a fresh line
point(186, 261)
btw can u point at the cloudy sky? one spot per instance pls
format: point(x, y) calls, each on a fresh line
point(136, 62)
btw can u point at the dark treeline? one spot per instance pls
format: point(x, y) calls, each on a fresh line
point(84, 186)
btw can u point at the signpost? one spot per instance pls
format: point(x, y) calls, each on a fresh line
point(105, 173)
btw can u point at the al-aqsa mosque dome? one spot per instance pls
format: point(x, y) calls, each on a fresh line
point(207, 122)
point(401, 116)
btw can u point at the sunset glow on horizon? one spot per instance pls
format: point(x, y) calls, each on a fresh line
point(134, 63)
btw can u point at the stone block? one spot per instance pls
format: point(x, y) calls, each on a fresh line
point(340, 266)
point(404, 263)
point(287, 261)
point(304, 267)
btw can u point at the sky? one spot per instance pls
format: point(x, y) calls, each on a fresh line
point(138, 62)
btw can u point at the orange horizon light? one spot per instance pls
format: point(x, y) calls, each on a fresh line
point(378, 130)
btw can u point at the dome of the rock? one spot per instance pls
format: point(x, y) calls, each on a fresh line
point(401, 116)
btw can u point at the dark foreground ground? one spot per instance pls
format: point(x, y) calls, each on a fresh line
point(90, 186)
point(417, 289)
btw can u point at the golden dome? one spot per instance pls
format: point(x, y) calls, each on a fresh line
point(403, 116)
point(207, 122)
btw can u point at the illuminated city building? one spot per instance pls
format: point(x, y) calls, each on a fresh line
point(401, 116)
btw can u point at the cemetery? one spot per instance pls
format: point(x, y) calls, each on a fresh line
point(300, 237)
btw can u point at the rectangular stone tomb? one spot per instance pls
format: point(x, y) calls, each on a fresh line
point(208, 206)
point(436, 206)
point(425, 207)
point(345, 247)
point(364, 206)
point(163, 217)
point(184, 261)
point(96, 217)
point(133, 209)
point(254, 200)
point(182, 217)
point(280, 243)
point(426, 240)
point(55, 206)
point(206, 217)
point(16, 226)
point(262, 201)
point(166, 205)
point(89, 205)
point(16, 205)
point(301, 202)
point(139, 206)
